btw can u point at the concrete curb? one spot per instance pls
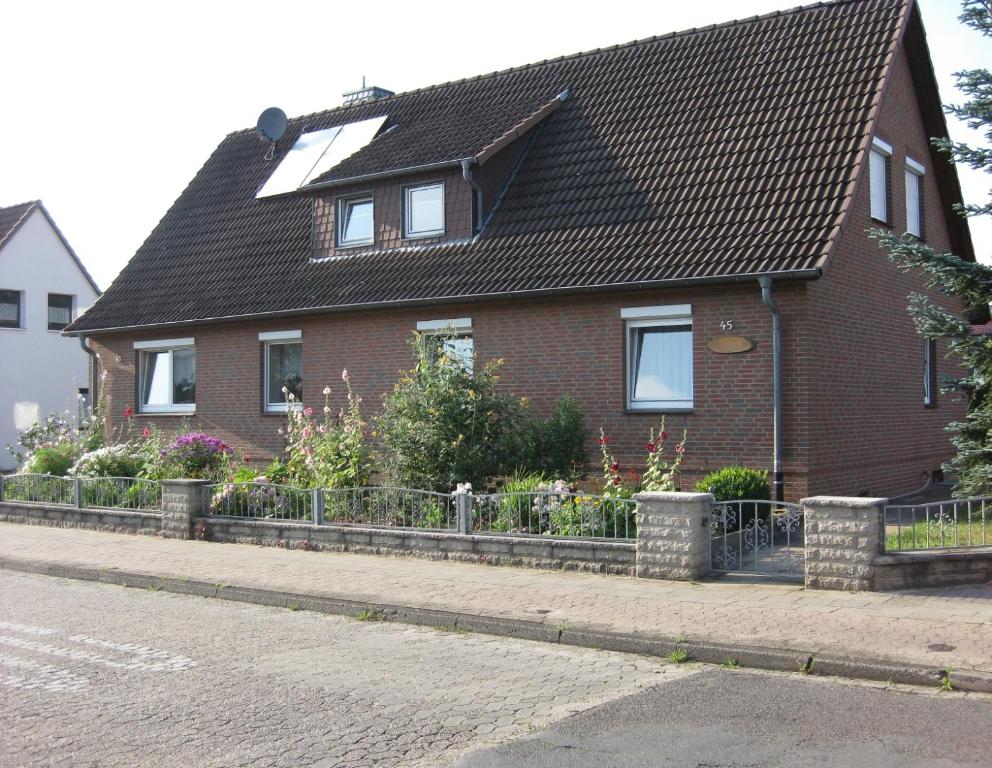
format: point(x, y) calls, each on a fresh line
point(806, 660)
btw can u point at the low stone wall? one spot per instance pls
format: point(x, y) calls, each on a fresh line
point(110, 520)
point(616, 557)
point(918, 570)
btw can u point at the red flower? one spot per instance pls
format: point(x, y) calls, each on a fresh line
point(664, 435)
point(680, 447)
point(146, 432)
point(245, 457)
point(603, 440)
point(632, 475)
point(651, 447)
point(616, 481)
point(614, 467)
point(128, 412)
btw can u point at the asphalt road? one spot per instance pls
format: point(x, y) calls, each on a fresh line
point(97, 675)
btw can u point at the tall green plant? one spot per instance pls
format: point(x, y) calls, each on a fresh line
point(446, 423)
point(967, 282)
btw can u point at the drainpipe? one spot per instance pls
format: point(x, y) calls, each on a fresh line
point(94, 375)
point(467, 175)
point(766, 296)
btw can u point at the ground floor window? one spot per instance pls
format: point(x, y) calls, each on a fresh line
point(282, 376)
point(451, 337)
point(659, 357)
point(166, 376)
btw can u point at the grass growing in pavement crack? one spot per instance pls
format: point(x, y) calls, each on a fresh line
point(222, 585)
point(371, 614)
point(293, 607)
point(730, 663)
point(945, 681)
point(806, 666)
point(678, 655)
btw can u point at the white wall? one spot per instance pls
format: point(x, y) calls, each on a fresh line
point(40, 370)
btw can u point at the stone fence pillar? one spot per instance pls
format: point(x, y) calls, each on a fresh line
point(843, 537)
point(182, 502)
point(673, 535)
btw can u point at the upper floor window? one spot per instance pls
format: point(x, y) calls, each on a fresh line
point(10, 309)
point(659, 357)
point(423, 210)
point(282, 353)
point(451, 338)
point(166, 375)
point(59, 311)
point(355, 220)
point(878, 173)
point(914, 197)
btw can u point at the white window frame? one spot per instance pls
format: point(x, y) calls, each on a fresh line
point(917, 170)
point(20, 310)
point(882, 150)
point(652, 317)
point(456, 326)
point(270, 339)
point(162, 345)
point(408, 233)
point(342, 205)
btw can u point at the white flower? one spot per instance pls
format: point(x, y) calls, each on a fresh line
point(285, 390)
point(327, 409)
point(327, 391)
point(344, 375)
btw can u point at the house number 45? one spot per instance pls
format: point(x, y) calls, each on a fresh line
point(727, 326)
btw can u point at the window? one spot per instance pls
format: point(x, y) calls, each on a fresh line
point(929, 372)
point(450, 337)
point(59, 311)
point(282, 355)
point(878, 172)
point(166, 376)
point(914, 197)
point(10, 309)
point(659, 357)
point(355, 221)
point(83, 399)
point(423, 210)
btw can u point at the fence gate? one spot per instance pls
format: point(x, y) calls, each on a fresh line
point(763, 538)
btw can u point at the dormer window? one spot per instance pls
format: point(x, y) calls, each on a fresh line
point(423, 210)
point(355, 221)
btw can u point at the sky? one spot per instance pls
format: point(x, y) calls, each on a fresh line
point(110, 108)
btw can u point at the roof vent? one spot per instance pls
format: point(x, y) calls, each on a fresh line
point(365, 94)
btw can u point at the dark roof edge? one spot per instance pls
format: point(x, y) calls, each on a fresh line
point(55, 228)
point(29, 206)
point(579, 55)
point(860, 169)
point(378, 175)
point(796, 274)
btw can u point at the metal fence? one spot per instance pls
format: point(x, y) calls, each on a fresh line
point(938, 525)
point(540, 513)
point(559, 514)
point(83, 492)
point(757, 537)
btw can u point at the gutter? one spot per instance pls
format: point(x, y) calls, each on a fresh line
point(765, 282)
point(796, 274)
point(94, 374)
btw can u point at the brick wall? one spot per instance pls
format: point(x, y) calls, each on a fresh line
point(873, 433)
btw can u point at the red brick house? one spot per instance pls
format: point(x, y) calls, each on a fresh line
point(602, 221)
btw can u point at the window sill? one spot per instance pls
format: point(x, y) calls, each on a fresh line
point(425, 236)
point(12, 328)
point(655, 411)
point(183, 412)
point(882, 222)
point(350, 246)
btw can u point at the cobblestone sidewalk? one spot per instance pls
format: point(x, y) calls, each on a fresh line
point(941, 628)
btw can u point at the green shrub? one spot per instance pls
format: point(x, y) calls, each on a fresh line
point(562, 441)
point(732, 483)
point(196, 456)
point(51, 459)
point(445, 423)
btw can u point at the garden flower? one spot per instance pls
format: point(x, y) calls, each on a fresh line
point(616, 481)
point(146, 432)
point(285, 390)
point(327, 409)
point(344, 375)
point(680, 447)
point(651, 447)
point(327, 391)
point(614, 467)
point(308, 411)
point(603, 440)
point(664, 435)
point(128, 412)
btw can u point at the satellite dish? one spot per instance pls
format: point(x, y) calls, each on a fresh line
point(272, 124)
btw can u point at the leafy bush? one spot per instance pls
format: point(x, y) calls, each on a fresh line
point(659, 474)
point(196, 456)
point(555, 446)
point(732, 483)
point(51, 459)
point(330, 452)
point(122, 460)
point(445, 423)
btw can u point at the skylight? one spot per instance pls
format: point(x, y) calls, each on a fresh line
point(317, 152)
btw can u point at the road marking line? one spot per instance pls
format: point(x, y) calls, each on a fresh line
point(174, 664)
point(47, 677)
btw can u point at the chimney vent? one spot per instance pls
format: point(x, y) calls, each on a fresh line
point(365, 94)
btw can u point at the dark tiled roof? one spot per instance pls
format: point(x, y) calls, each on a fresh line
point(707, 154)
point(13, 216)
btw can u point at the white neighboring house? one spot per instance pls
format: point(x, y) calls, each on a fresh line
point(43, 287)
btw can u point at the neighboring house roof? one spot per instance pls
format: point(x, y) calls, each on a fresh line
point(711, 154)
point(13, 216)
